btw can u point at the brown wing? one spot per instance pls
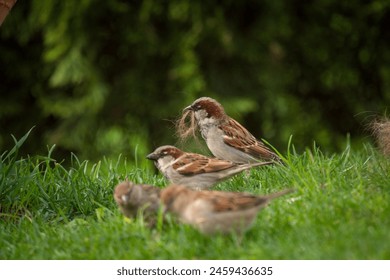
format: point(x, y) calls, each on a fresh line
point(230, 201)
point(151, 190)
point(193, 164)
point(241, 139)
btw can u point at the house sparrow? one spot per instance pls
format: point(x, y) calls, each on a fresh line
point(135, 198)
point(215, 211)
point(195, 170)
point(225, 137)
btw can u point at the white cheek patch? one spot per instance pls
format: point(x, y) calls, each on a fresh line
point(205, 121)
point(201, 115)
point(163, 165)
point(124, 198)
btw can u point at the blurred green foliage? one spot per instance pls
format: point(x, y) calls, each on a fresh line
point(102, 78)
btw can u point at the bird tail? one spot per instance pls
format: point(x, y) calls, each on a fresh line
point(261, 163)
point(278, 194)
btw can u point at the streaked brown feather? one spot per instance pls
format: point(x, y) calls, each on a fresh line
point(246, 142)
point(230, 201)
point(192, 164)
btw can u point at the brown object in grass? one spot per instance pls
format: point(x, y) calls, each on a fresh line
point(381, 131)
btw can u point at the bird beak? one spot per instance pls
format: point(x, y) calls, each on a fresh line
point(152, 156)
point(188, 108)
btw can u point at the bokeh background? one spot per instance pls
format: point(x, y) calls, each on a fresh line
point(103, 78)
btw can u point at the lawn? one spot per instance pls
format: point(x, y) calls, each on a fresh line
point(340, 210)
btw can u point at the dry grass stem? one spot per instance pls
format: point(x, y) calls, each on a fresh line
point(186, 126)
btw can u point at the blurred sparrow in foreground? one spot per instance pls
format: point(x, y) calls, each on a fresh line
point(215, 211)
point(194, 170)
point(225, 137)
point(135, 198)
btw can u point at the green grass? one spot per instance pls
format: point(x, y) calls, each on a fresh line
point(341, 210)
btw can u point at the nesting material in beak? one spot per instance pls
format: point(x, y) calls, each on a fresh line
point(186, 126)
point(188, 108)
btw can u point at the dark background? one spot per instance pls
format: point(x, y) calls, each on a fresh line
point(103, 78)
